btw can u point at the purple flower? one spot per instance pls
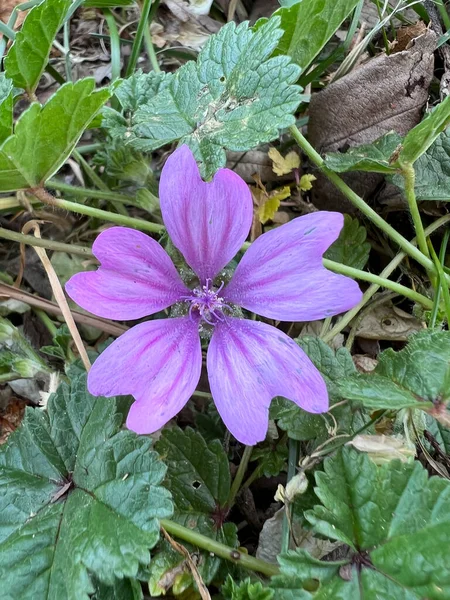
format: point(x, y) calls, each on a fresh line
point(280, 277)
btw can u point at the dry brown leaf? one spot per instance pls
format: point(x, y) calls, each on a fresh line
point(387, 322)
point(11, 418)
point(386, 93)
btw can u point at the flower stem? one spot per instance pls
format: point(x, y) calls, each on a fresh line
point(239, 477)
point(381, 281)
point(87, 193)
point(409, 175)
point(371, 291)
point(205, 543)
point(30, 240)
point(292, 467)
point(359, 203)
point(90, 211)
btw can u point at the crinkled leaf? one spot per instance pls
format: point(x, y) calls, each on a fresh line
point(308, 25)
point(432, 171)
point(233, 97)
point(45, 136)
point(6, 107)
point(334, 366)
point(122, 589)
point(245, 590)
point(28, 55)
point(417, 376)
point(422, 136)
point(375, 157)
point(271, 458)
point(394, 518)
point(198, 476)
point(78, 495)
point(351, 248)
point(139, 88)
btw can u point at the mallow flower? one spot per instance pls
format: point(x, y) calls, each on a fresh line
point(280, 277)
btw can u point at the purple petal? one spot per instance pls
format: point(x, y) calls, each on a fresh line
point(281, 276)
point(158, 362)
point(249, 363)
point(136, 277)
point(207, 222)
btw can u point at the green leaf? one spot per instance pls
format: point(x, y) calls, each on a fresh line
point(417, 376)
point(45, 136)
point(432, 171)
point(6, 107)
point(198, 476)
point(308, 25)
point(422, 136)
point(107, 3)
point(394, 518)
point(333, 366)
point(233, 97)
point(28, 56)
point(375, 157)
point(78, 495)
point(245, 590)
point(122, 589)
point(351, 248)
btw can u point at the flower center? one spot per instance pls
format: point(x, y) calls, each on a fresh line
point(206, 303)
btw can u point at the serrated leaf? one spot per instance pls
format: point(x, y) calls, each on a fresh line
point(45, 136)
point(282, 165)
point(122, 589)
point(28, 55)
point(245, 590)
point(333, 366)
point(416, 377)
point(308, 25)
point(375, 157)
point(234, 97)
point(78, 495)
point(432, 171)
point(198, 476)
point(393, 517)
point(6, 107)
point(351, 248)
point(422, 136)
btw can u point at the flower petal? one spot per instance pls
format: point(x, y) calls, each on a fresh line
point(158, 362)
point(136, 277)
point(207, 222)
point(249, 363)
point(281, 276)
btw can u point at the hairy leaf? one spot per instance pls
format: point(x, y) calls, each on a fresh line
point(351, 248)
point(234, 97)
point(393, 517)
point(417, 376)
point(78, 495)
point(28, 56)
point(198, 476)
point(45, 136)
point(432, 171)
point(308, 25)
point(333, 366)
point(375, 157)
point(245, 590)
point(422, 136)
point(6, 107)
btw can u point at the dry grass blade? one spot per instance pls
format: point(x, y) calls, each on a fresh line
point(59, 294)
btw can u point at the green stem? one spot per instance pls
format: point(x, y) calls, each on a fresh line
point(444, 14)
point(221, 550)
point(151, 49)
point(115, 44)
point(136, 49)
point(292, 468)
point(381, 281)
point(442, 283)
point(239, 477)
point(359, 203)
point(87, 193)
point(97, 213)
point(30, 240)
point(53, 330)
point(371, 291)
point(437, 296)
point(409, 175)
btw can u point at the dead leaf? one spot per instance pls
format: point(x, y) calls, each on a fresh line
point(247, 164)
point(383, 94)
point(11, 418)
point(387, 322)
point(282, 165)
point(383, 448)
point(271, 204)
point(364, 364)
point(405, 35)
point(306, 182)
